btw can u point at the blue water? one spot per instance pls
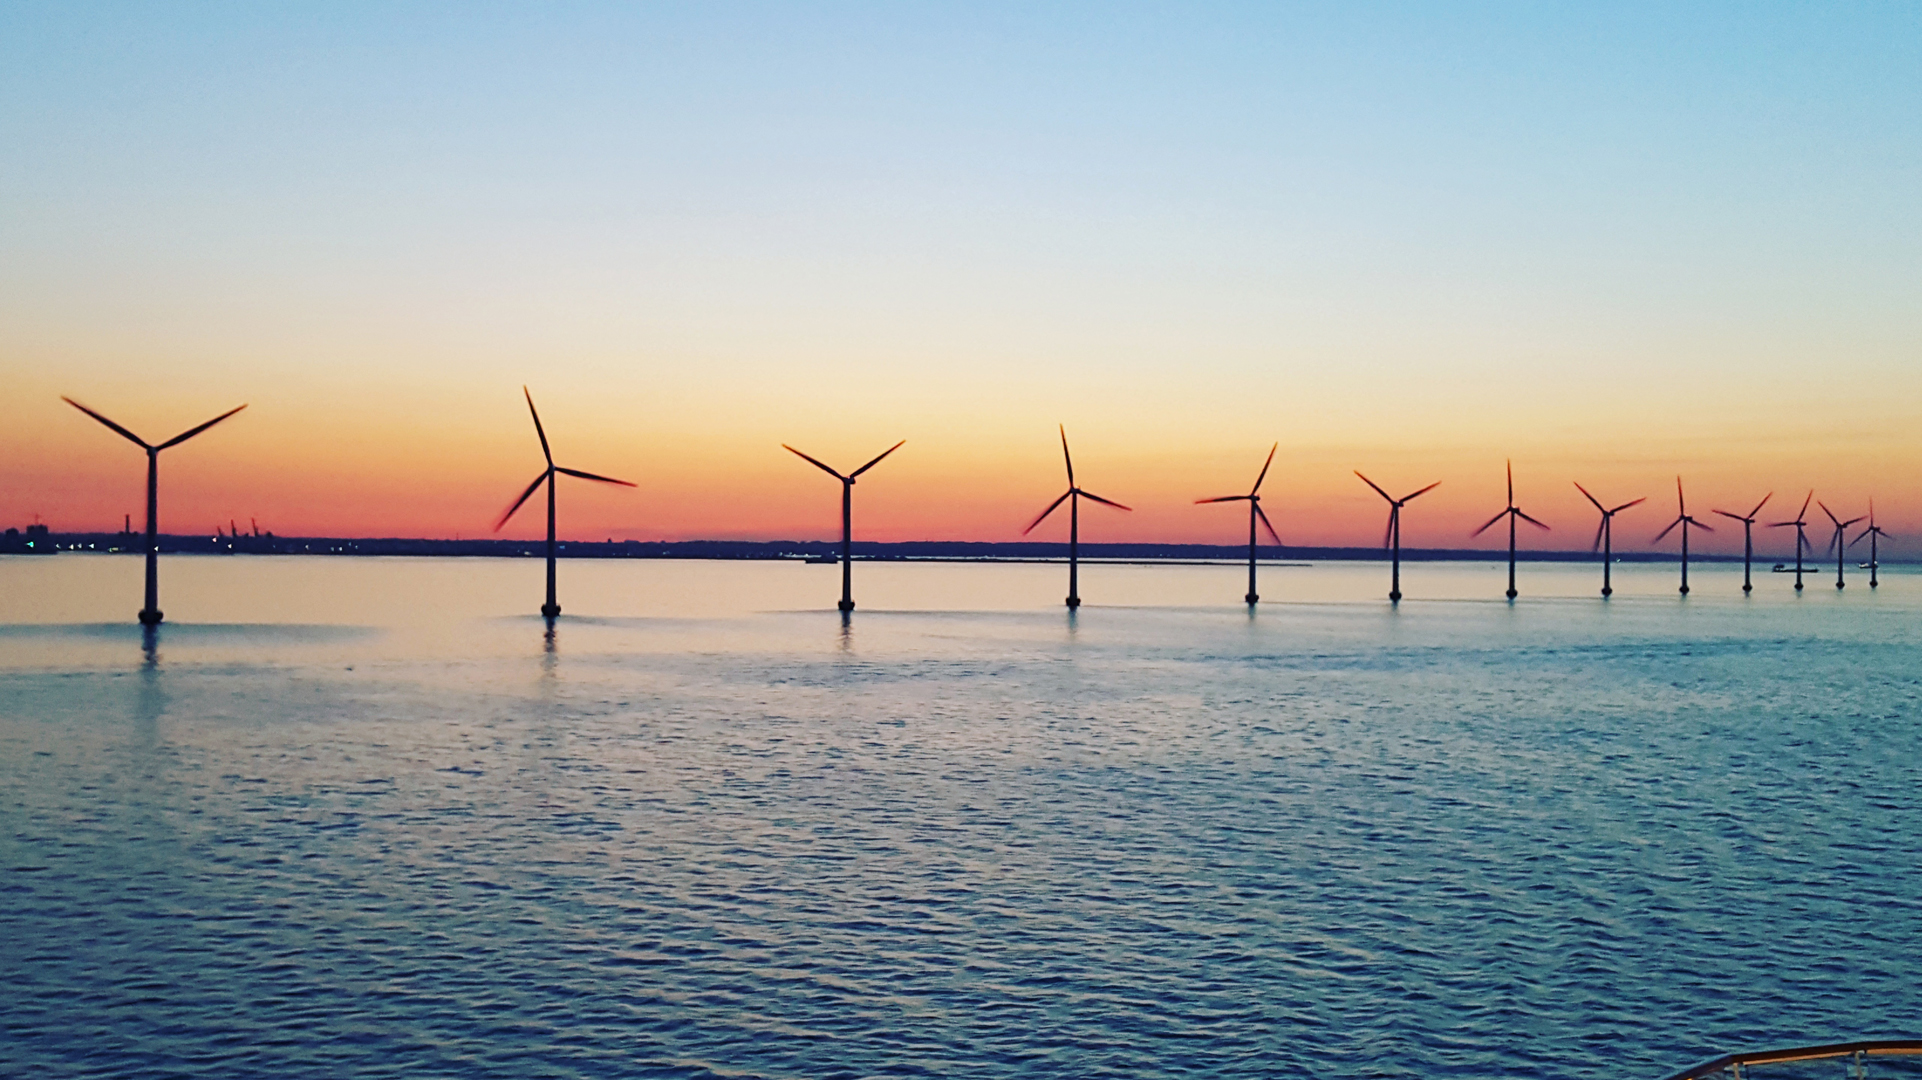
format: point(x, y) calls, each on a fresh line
point(364, 817)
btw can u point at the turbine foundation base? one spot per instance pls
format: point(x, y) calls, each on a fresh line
point(1251, 598)
point(550, 610)
point(1074, 601)
point(150, 617)
point(846, 605)
point(1512, 594)
point(1394, 597)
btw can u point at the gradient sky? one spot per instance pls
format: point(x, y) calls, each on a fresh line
point(1612, 242)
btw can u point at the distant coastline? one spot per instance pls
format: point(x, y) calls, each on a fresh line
point(805, 550)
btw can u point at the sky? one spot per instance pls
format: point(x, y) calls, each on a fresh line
point(1613, 243)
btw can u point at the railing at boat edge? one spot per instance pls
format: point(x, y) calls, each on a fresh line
point(1857, 1052)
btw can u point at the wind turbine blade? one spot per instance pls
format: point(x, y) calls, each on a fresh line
point(1597, 545)
point(591, 476)
point(1376, 486)
point(1224, 498)
point(1782, 524)
point(1388, 527)
point(1859, 539)
point(1423, 491)
point(1759, 505)
point(1826, 510)
point(1591, 498)
point(1105, 502)
point(1665, 532)
point(1694, 524)
point(1263, 515)
point(1489, 525)
point(1264, 469)
point(1804, 512)
point(1851, 521)
point(877, 459)
point(137, 440)
point(1511, 483)
point(531, 488)
point(538, 429)
point(1734, 517)
point(816, 464)
point(1049, 510)
point(1533, 522)
point(191, 432)
point(1680, 503)
point(1065, 456)
point(1631, 502)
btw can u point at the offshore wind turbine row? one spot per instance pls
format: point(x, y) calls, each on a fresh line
point(1839, 544)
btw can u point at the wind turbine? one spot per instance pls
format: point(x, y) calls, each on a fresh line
point(150, 614)
point(1748, 538)
point(1605, 534)
point(1841, 549)
point(549, 609)
point(1253, 499)
point(1873, 532)
point(1801, 538)
point(1685, 523)
point(847, 516)
point(1073, 497)
point(1511, 514)
point(1391, 536)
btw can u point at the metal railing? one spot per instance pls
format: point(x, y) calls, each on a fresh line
point(1858, 1054)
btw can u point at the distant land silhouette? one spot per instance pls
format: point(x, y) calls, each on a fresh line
point(47, 542)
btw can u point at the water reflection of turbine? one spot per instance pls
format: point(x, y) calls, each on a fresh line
point(550, 609)
point(1253, 499)
point(150, 614)
point(1391, 536)
point(1073, 497)
point(1605, 534)
point(1836, 544)
point(1748, 539)
point(847, 515)
point(1685, 523)
point(1873, 532)
point(1511, 514)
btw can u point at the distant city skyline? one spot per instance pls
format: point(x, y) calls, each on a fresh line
point(1613, 245)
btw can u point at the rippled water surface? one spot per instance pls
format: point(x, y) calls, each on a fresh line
point(366, 817)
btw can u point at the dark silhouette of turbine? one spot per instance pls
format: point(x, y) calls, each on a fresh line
point(1836, 544)
point(1748, 538)
point(1685, 523)
point(1511, 514)
point(1801, 535)
point(1073, 497)
point(1605, 535)
point(1391, 535)
point(1873, 532)
point(550, 609)
point(150, 614)
point(1253, 498)
point(847, 515)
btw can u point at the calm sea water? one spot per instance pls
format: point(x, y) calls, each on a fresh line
point(365, 817)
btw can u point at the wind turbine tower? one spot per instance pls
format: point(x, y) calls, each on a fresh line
point(1801, 535)
point(1513, 512)
point(1253, 499)
point(847, 515)
point(150, 614)
point(1748, 539)
point(1685, 523)
point(1605, 535)
point(1073, 497)
point(550, 609)
point(1873, 532)
point(1391, 535)
point(1841, 549)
